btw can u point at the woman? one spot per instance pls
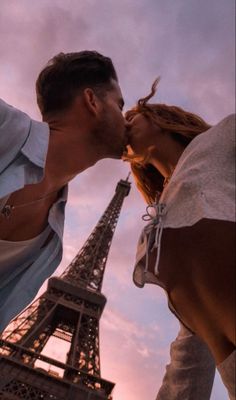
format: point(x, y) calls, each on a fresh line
point(185, 170)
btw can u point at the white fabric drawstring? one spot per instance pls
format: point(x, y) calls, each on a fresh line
point(157, 244)
point(157, 224)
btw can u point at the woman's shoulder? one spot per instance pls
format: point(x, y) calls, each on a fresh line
point(229, 120)
point(225, 126)
point(220, 138)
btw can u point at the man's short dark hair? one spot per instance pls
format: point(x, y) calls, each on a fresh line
point(66, 75)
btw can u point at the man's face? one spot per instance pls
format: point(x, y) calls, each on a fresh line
point(111, 128)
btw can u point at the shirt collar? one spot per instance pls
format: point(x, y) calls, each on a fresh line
point(36, 145)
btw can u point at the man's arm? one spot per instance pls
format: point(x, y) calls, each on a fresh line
point(14, 129)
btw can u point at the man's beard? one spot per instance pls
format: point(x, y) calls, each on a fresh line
point(103, 138)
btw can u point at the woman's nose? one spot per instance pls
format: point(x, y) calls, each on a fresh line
point(128, 124)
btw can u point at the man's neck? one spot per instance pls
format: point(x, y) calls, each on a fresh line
point(69, 153)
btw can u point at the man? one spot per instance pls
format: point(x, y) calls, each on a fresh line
point(81, 103)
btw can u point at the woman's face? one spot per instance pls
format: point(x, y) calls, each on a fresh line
point(141, 134)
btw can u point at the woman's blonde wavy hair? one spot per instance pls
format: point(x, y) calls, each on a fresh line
point(183, 127)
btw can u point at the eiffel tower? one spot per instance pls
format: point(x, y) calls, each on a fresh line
point(69, 310)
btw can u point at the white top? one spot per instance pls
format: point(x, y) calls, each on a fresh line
point(202, 186)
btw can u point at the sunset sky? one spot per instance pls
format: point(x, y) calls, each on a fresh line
point(190, 44)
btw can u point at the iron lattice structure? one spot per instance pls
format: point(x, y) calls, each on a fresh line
point(69, 310)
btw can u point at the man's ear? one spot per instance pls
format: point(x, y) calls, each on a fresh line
point(92, 101)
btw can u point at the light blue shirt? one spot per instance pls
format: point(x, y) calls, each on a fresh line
point(23, 151)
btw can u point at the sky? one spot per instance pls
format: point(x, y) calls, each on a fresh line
point(190, 44)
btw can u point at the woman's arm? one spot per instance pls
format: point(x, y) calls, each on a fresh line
point(191, 371)
point(197, 267)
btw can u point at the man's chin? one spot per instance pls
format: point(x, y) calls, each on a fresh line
point(116, 154)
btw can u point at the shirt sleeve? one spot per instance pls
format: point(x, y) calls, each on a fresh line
point(14, 130)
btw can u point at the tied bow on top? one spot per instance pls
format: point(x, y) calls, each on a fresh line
point(152, 232)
